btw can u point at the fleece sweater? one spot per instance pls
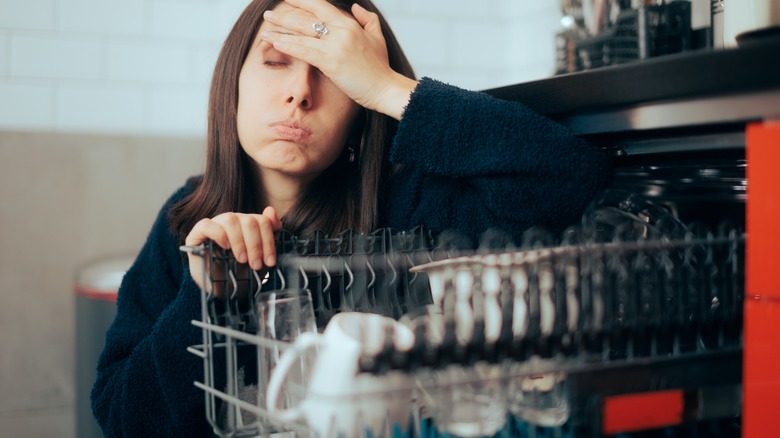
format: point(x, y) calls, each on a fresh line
point(471, 162)
point(467, 161)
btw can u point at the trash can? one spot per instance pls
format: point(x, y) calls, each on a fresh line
point(96, 290)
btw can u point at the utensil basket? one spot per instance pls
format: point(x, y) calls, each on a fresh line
point(615, 323)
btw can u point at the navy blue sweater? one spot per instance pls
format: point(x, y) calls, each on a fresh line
point(469, 162)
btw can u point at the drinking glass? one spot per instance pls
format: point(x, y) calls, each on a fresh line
point(283, 315)
point(539, 393)
point(468, 402)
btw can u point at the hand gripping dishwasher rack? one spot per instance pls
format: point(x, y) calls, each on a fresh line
point(636, 335)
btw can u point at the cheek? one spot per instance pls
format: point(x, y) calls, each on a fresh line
point(248, 112)
point(252, 96)
point(243, 127)
point(344, 115)
point(344, 108)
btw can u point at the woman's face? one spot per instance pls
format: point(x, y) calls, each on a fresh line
point(291, 118)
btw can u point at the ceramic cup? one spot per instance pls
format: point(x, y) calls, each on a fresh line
point(341, 401)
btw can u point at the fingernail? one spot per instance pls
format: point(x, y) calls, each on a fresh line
point(268, 14)
point(265, 35)
point(242, 257)
point(256, 265)
point(270, 260)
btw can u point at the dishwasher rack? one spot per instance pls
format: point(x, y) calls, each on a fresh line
point(614, 330)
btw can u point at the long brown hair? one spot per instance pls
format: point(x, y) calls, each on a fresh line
point(345, 196)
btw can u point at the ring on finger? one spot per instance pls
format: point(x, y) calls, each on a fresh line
point(319, 29)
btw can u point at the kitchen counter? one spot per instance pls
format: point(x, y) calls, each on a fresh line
point(685, 89)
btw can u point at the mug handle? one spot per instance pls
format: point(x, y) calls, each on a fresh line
point(302, 343)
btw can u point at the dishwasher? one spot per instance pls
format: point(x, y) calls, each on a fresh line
point(630, 323)
point(638, 331)
point(636, 326)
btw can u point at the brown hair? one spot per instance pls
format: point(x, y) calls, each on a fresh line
point(345, 196)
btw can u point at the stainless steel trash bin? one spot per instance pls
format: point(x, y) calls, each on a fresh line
point(95, 288)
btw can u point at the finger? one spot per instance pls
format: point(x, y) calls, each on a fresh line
point(296, 20)
point(367, 20)
point(271, 214)
point(323, 10)
point(361, 15)
point(305, 48)
point(253, 239)
point(232, 225)
point(207, 229)
point(268, 241)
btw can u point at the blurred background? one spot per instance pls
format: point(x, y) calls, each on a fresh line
point(102, 117)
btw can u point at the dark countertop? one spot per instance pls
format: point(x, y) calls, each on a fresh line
point(692, 74)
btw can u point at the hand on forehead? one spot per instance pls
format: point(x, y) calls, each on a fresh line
point(297, 17)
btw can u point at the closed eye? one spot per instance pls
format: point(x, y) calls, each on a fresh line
point(273, 58)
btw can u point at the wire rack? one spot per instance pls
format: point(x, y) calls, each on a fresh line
point(637, 34)
point(554, 335)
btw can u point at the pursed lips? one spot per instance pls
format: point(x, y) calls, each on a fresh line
point(290, 130)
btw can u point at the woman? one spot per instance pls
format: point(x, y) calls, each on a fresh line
point(316, 122)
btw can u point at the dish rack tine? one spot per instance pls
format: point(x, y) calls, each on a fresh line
point(350, 275)
point(328, 279)
point(305, 284)
point(341, 269)
point(259, 282)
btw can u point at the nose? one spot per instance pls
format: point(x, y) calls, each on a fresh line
point(302, 84)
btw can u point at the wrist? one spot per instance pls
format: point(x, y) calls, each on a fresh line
point(395, 96)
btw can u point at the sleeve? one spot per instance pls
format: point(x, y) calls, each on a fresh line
point(471, 162)
point(144, 385)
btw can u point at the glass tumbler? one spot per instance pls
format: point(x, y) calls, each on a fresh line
point(469, 402)
point(539, 398)
point(282, 316)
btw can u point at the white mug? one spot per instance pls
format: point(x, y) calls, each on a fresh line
point(341, 401)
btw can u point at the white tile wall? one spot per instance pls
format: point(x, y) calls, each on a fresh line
point(422, 52)
point(102, 17)
point(53, 56)
point(5, 53)
point(184, 20)
point(392, 8)
point(28, 14)
point(475, 45)
point(479, 47)
point(205, 58)
point(150, 62)
point(113, 108)
point(530, 53)
point(186, 103)
point(52, 51)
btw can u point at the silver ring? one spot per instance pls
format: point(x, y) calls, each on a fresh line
point(319, 29)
